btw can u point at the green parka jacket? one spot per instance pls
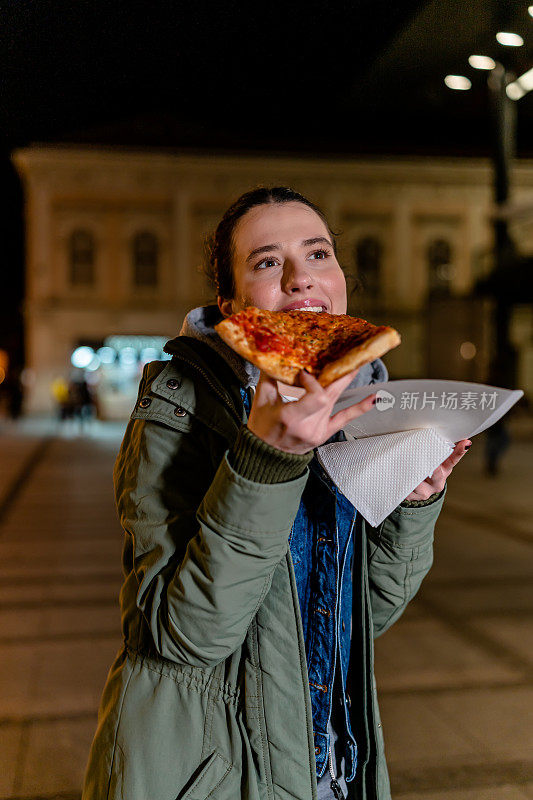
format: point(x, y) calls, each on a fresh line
point(209, 696)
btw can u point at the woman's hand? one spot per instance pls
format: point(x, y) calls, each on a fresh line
point(301, 425)
point(435, 483)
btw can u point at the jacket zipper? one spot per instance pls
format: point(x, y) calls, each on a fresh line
point(334, 785)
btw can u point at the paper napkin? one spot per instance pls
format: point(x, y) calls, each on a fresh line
point(378, 472)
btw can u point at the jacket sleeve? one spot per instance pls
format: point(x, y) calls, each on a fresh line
point(200, 550)
point(400, 554)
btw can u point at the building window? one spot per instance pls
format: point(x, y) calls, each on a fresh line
point(145, 259)
point(440, 271)
point(368, 257)
point(81, 258)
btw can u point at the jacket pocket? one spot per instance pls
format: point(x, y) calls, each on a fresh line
point(211, 776)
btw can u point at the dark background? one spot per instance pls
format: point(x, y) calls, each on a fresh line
point(330, 79)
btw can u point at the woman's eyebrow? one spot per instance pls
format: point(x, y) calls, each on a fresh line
point(316, 240)
point(266, 248)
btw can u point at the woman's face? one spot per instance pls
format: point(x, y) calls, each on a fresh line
point(283, 259)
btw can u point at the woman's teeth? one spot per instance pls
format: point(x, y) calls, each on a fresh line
point(311, 308)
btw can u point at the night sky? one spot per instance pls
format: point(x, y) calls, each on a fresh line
point(273, 75)
point(317, 78)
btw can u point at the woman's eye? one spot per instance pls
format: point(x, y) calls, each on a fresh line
point(319, 254)
point(268, 262)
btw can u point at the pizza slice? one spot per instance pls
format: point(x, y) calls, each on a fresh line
point(284, 342)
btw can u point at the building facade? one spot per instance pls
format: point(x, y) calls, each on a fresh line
point(115, 241)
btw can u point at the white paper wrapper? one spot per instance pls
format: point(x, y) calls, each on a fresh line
point(455, 409)
point(401, 441)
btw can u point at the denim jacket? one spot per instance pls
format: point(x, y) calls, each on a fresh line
point(322, 546)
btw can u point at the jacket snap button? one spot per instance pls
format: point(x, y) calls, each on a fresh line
point(180, 412)
point(145, 402)
point(172, 383)
point(317, 750)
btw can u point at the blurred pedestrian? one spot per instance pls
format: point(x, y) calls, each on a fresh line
point(497, 437)
point(62, 396)
point(82, 403)
point(15, 394)
point(497, 441)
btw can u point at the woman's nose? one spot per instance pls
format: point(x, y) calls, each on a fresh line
point(296, 277)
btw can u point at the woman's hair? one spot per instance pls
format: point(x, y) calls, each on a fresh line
point(220, 245)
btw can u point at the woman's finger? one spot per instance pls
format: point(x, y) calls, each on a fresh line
point(341, 418)
point(438, 478)
point(315, 390)
point(435, 483)
point(309, 382)
point(459, 451)
point(336, 388)
point(266, 389)
point(315, 395)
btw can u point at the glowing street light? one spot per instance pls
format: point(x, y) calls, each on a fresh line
point(458, 82)
point(530, 11)
point(107, 355)
point(468, 350)
point(520, 86)
point(514, 91)
point(93, 364)
point(82, 357)
point(481, 62)
point(509, 39)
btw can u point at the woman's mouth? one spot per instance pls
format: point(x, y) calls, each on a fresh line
point(311, 304)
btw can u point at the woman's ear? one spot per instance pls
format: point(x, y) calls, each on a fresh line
point(225, 306)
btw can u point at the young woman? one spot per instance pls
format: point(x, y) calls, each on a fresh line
point(253, 589)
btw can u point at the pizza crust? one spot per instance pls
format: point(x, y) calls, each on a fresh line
point(372, 348)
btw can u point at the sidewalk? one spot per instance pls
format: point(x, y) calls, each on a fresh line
point(455, 674)
point(60, 546)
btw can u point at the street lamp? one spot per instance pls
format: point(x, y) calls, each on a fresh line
point(504, 90)
point(521, 86)
point(481, 62)
point(458, 82)
point(509, 39)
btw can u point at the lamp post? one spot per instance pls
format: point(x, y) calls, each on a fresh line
point(504, 361)
point(504, 91)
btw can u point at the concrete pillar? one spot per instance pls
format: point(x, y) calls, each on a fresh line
point(404, 269)
point(181, 257)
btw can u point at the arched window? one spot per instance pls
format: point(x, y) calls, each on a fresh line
point(81, 258)
point(439, 257)
point(145, 259)
point(368, 257)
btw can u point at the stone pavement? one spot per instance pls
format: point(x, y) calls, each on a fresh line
point(60, 547)
point(455, 674)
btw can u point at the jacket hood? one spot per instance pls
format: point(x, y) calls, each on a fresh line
point(199, 324)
